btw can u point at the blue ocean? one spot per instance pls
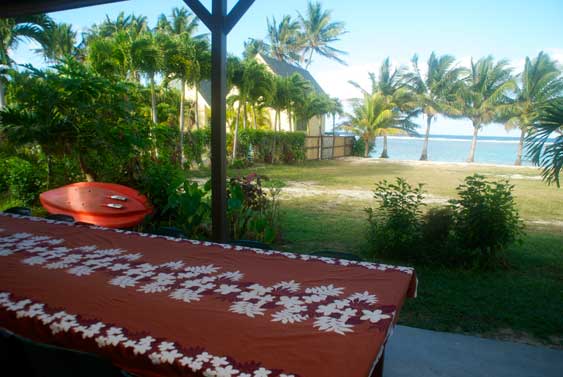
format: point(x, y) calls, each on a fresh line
point(453, 148)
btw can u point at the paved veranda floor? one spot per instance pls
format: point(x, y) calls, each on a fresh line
point(422, 353)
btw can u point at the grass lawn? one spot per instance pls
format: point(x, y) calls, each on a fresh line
point(524, 302)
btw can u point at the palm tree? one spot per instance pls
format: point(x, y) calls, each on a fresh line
point(180, 21)
point(393, 84)
point(253, 47)
point(549, 123)
point(435, 90)
point(539, 83)
point(319, 32)
point(253, 82)
point(284, 39)
point(12, 32)
point(375, 115)
point(334, 108)
point(484, 94)
point(178, 65)
point(57, 40)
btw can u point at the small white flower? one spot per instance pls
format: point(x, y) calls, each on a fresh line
point(119, 267)
point(330, 324)
point(286, 316)
point(262, 372)
point(373, 316)
point(291, 286)
point(173, 265)
point(123, 281)
point(219, 361)
point(154, 287)
point(363, 297)
point(204, 357)
point(234, 275)
point(225, 289)
point(227, 371)
point(247, 308)
point(80, 270)
point(186, 295)
point(326, 290)
point(32, 261)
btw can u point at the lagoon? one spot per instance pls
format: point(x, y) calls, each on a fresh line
point(453, 148)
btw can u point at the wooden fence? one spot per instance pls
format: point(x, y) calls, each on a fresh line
point(328, 147)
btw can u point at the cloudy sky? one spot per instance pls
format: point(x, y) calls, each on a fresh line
point(511, 29)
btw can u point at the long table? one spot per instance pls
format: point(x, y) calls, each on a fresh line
point(161, 306)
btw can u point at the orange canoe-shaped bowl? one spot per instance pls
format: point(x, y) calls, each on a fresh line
point(104, 204)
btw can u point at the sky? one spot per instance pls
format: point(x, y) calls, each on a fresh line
point(511, 29)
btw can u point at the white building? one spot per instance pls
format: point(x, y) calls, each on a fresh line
point(315, 126)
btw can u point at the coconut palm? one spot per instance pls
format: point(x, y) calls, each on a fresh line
point(180, 21)
point(253, 47)
point(284, 39)
point(57, 40)
point(484, 94)
point(393, 84)
point(319, 32)
point(253, 82)
point(539, 83)
point(435, 90)
point(375, 115)
point(178, 64)
point(12, 32)
point(549, 124)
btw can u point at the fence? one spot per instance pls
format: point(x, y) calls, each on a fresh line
point(328, 147)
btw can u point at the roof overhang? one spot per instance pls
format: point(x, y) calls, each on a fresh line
point(14, 8)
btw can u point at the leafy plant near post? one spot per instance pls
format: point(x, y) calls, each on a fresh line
point(485, 217)
point(395, 225)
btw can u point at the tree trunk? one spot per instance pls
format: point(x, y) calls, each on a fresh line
point(154, 117)
point(518, 161)
point(290, 122)
point(384, 153)
point(235, 134)
point(471, 157)
point(197, 106)
point(2, 95)
point(424, 154)
point(310, 60)
point(366, 146)
point(181, 125)
point(333, 133)
point(254, 116)
point(87, 173)
point(245, 116)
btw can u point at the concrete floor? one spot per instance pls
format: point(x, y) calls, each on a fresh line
point(423, 353)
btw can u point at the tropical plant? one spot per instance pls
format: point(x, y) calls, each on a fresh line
point(253, 47)
point(12, 32)
point(435, 90)
point(538, 84)
point(485, 217)
point(395, 225)
point(374, 115)
point(57, 41)
point(484, 95)
point(319, 32)
point(284, 39)
point(180, 21)
point(549, 156)
point(392, 83)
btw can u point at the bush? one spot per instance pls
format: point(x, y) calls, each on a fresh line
point(269, 146)
point(25, 180)
point(395, 225)
point(485, 218)
point(359, 147)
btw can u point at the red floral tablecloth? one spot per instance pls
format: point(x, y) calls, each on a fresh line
point(162, 306)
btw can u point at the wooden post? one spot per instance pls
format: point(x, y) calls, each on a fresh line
point(219, 23)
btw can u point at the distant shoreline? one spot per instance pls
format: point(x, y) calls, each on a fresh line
point(376, 160)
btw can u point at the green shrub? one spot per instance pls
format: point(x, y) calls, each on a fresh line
point(25, 180)
point(395, 225)
point(269, 146)
point(485, 218)
point(359, 147)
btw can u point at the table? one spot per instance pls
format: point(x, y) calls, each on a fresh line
point(160, 306)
